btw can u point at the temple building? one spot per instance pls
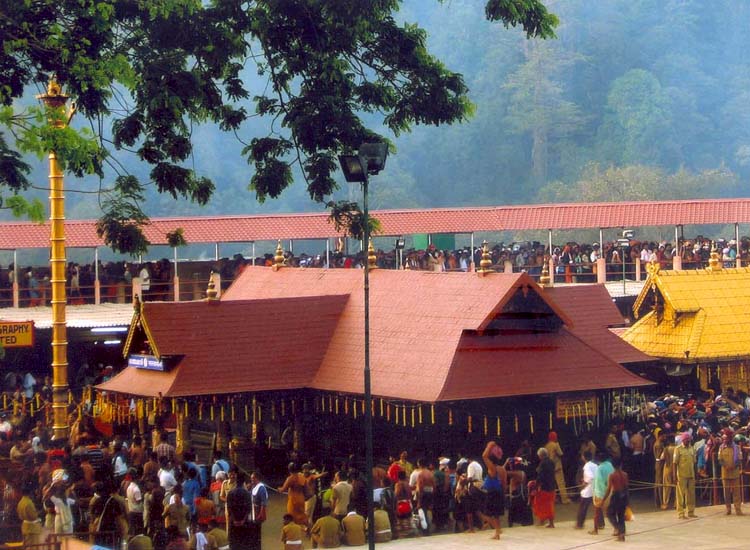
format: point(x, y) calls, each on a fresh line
point(278, 360)
point(696, 324)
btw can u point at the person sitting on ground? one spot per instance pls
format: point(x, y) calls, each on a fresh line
point(326, 533)
point(382, 525)
point(217, 535)
point(140, 542)
point(291, 533)
point(353, 526)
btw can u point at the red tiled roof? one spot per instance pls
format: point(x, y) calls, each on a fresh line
point(82, 233)
point(296, 328)
point(133, 381)
point(416, 319)
point(238, 346)
point(593, 313)
point(524, 364)
point(416, 322)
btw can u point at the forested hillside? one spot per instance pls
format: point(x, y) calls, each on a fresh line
point(635, 99)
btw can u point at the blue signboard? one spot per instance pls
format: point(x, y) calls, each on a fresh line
point(148, 362)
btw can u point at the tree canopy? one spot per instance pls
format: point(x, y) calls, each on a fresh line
point(144, 73)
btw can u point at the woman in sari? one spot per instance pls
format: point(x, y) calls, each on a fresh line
point(544, 499)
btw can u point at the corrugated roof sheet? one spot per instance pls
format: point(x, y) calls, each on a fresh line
point(705, 313)
point(84, 316)
point(224, 229)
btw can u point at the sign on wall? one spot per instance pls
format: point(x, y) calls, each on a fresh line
point(17, 335)
point(148, 362)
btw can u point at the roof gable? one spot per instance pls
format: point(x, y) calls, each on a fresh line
point(594, 313)
point(237, 340)
point(525, 305)
point(497, 365)
point(704, 313)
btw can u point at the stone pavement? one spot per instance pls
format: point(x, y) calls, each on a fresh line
point(649, 530)
point(712, 529)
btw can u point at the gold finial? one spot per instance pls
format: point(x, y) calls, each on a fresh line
point(53, 87)
point(211, 292)
point(652, 268)
point(486, 261)
point(371, 257)
point(136, 303)
point(53, 97)
point(544, 279)
point(278, 259)
point(714, 262)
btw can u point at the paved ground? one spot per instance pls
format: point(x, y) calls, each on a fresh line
point(649, 530)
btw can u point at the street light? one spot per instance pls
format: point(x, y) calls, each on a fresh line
point(370, 160)
point(622, 244)
point(400, 244)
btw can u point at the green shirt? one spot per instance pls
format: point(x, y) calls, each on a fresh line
point(602, 477)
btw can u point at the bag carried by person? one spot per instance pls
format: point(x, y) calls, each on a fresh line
point(629, 515)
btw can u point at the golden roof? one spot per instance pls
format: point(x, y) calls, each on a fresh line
point(694, 316)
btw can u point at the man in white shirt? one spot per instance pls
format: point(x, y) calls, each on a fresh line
point(6, 428)
point(587, 492)
point(145, 277)
point(29, 383)
point(645, 254)
point(135, 505)
point(474, 471)
point(166, 479)
point(594, 253)
point(342, 492)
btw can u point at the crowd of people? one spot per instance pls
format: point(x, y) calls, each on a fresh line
point(573, 262)
point(685, 449)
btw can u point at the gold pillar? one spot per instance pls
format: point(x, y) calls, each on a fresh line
point(182, 436)
point(55, 101)
point(222, 437)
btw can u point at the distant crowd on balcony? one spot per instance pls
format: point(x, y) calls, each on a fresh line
point(572, 263)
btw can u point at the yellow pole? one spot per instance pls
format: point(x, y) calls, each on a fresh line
point(55, 101)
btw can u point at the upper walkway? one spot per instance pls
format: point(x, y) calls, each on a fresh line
point(549, 217)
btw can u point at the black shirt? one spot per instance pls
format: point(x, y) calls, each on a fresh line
point(239, 502)
point(546, 475)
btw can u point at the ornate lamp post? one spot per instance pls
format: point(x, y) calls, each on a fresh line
point(55, 102)
point(370, 160)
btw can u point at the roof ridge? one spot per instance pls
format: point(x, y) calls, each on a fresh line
point(697, 332)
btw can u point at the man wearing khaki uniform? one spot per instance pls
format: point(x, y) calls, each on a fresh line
point(31, 528)
point(730, 460)
point(684, 466)
point(555, 454)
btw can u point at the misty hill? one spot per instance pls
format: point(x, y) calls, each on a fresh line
point(633, 100)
